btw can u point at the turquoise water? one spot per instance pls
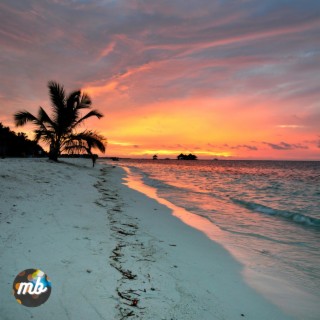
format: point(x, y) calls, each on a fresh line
point(268, 211)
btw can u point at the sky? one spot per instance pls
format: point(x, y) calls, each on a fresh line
point(221, 79)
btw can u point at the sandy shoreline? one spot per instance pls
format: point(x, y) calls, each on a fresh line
point(111, 252)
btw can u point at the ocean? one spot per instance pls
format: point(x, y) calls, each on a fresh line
point(268, 213)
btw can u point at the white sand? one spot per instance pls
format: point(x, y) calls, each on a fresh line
point(104, 245)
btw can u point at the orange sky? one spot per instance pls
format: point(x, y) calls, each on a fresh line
point(238, 80)
point(231, 127)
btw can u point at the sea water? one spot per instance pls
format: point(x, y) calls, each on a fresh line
point(269, 215)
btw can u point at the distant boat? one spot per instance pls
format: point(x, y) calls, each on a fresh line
point(114, 158)
point(215, 159)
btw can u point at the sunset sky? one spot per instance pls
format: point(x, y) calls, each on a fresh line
point(237, 79)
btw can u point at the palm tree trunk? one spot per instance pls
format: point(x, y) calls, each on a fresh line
point(54, 151)
point(53, 156)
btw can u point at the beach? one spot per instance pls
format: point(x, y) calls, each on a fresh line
point(110, 251)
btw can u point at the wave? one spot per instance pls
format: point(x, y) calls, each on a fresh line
point(293, 216)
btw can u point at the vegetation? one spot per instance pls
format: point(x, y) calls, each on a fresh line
point(59, 130)
point(17, 144)
point(189, 156)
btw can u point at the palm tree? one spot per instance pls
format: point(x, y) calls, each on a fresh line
point(59, 130)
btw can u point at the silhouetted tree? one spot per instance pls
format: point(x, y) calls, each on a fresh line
point(17, 144)
point(155, 157)
point(58, 131)
point(190, 156)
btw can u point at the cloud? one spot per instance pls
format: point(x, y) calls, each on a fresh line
point(194, 46)
point(252, 61)
point(248, 147)
point(285, 146)
point(290, 126)
point(239, 146)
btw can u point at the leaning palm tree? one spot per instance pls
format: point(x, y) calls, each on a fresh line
point(59, 130)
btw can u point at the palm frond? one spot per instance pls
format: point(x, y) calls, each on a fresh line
point(95, 140)
point(22, 117)
point(44, 118)
point(73, 99)
point(76, 148)
point(45, 135)
point(57, 96)
point(71, 112)
point(85, 102)
point(86, 139)
point(92, 113)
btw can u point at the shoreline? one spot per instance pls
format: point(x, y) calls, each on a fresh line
point(278, 291)
point(111, 251)
point(207, 276)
